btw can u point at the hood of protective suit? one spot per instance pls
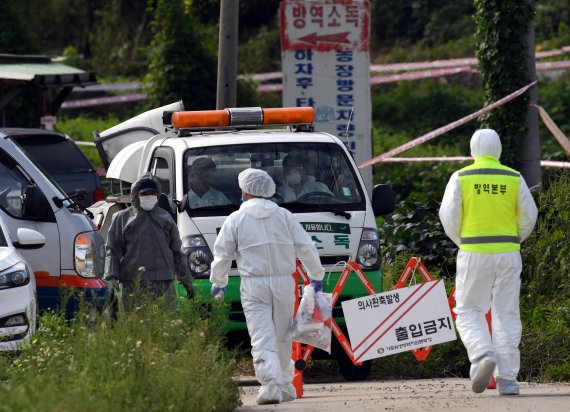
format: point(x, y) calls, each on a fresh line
point(259, 208)
point(485, 142)
point(136, 185)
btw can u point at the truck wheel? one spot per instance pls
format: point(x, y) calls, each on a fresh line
point(352, 372)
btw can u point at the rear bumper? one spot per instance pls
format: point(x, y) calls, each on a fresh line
point(53, 291)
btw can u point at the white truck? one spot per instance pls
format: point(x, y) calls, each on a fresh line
point(329, 197)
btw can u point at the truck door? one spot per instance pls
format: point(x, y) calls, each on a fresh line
point(15, 184)
point(162, 167)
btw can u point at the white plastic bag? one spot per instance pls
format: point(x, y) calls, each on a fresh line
point(312, 325)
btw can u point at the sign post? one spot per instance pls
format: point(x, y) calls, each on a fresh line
point(326, 65)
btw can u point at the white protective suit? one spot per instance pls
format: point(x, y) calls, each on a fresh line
point(488, 280)
point(265, 239)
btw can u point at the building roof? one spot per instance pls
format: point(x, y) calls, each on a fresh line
point(41, 71)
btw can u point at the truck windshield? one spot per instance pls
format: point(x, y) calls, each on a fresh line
point(318, 174)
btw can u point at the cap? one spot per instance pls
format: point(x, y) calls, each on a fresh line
point(148, 186)
point(256, 182)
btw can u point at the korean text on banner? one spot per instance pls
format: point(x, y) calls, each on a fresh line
point(399, 320)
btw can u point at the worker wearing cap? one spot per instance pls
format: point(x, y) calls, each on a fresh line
point(144, 242)
point(488, 210)
point(265, 240)
point(202, 193)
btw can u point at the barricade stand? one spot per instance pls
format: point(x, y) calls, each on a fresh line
point(492, 384)
point(300, 353)
point(415, 263)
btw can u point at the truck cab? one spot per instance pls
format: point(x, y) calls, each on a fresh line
point(197, 161)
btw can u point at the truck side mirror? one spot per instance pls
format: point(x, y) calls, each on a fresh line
point(181, 205)
point(35, 206)
point(383, 200)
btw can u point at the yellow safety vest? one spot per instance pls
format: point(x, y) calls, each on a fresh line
point(489, 191)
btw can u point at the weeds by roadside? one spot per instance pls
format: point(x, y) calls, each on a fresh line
point(149, 359)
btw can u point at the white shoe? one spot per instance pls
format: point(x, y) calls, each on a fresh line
point(508, 387)
point(288, 392)
point(269, 395)
point(481, 373)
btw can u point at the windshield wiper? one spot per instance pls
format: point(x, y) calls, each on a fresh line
point(73, 204)
point(312, 206)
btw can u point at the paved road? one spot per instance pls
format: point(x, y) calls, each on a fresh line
point(412, 395)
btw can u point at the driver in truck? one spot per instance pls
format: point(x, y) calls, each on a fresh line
point(202, 193)
point(297, 181)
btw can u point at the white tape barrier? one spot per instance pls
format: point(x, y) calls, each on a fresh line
point(550, 125)
point(400, 67)
point(416, 75)
point(543, 163)
point(82, 143)
point(438, 132)
point(99, 101)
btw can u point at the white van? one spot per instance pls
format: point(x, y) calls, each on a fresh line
point(18, 302)
point(73, 254)
point(185, 149)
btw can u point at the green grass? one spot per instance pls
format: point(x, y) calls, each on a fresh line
point(149, 359)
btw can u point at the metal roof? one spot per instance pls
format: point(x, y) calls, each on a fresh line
point(42, 71)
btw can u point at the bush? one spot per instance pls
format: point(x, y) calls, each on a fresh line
point(148, 359)
point(415, 108)
point(545, 291)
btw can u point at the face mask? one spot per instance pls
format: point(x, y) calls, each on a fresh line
point(293, 177)
point(148, 202)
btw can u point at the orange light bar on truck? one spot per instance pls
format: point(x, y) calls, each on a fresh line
point(246, 116)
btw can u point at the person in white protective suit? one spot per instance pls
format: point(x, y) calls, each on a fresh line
point(488, 210)
point(265, 240)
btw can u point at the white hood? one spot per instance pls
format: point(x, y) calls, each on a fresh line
point(485, 142)
point(259, 208)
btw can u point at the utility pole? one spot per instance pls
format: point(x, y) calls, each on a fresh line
point(227, 54)
point(529, 154)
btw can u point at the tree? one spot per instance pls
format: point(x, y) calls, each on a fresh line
point(14, 36)
point(183, 58)
point(502, 53)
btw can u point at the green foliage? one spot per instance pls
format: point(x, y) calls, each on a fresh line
point(415, 229)
point(119, 38)
point(261, 53)
point(416, 108)
point(183, 59)
point(14, 36)
point(502, 53)
point(552, 19)
point(411, 22)
point(149, 359)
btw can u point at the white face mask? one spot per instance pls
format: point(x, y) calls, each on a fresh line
point(148, 202)
point(293, 177)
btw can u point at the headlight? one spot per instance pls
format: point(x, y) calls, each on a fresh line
point(87, 255)
point(369, 250)
point(14, 277)
point(199, 255)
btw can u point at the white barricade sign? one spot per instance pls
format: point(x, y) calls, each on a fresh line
point(399, 320)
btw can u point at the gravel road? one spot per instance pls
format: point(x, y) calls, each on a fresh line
point(412, 395)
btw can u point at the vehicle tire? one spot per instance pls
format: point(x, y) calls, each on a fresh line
point(352, 372)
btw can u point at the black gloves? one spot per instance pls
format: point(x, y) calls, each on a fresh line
point(189, 288)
